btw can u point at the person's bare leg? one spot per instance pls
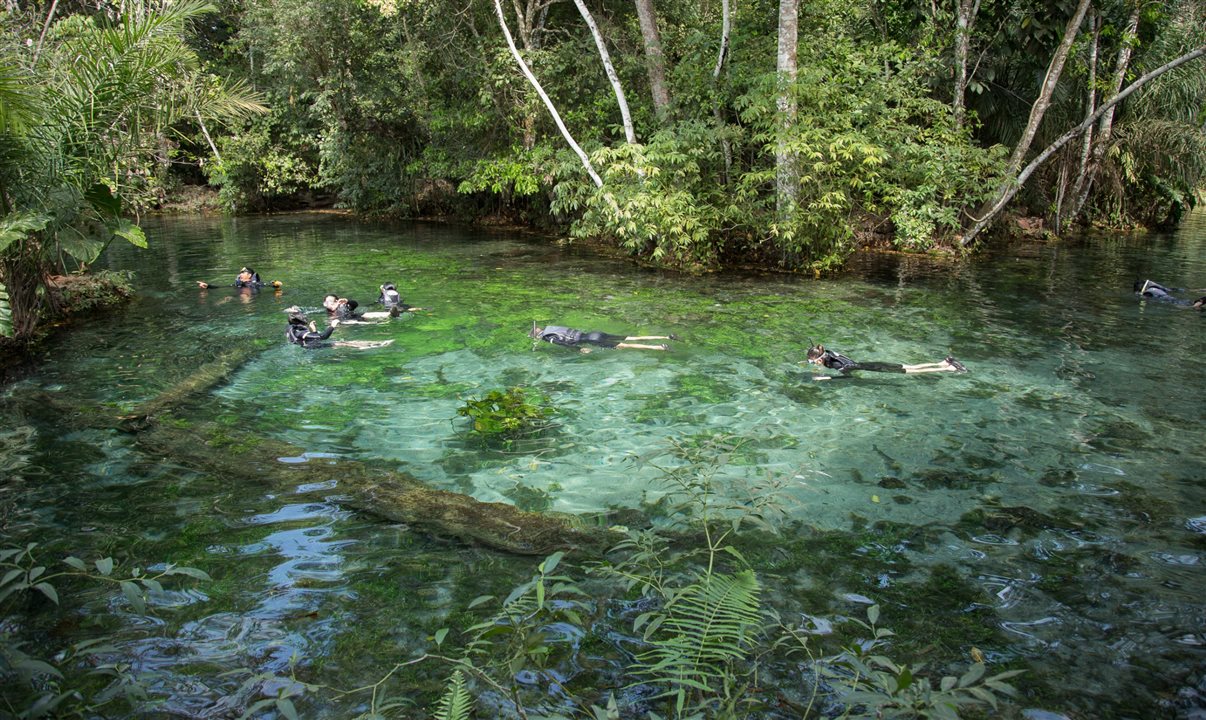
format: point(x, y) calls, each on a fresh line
point(650, 337)
point(950, 364)
point(639, 346)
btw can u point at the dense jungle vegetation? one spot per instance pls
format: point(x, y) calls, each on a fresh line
point(693, 135)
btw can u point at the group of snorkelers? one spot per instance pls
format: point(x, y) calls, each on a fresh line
point(304, 332)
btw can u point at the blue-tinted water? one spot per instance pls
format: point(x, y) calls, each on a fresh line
point(1081, 402)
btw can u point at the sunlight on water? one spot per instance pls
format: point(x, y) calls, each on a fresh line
point(1081, 403)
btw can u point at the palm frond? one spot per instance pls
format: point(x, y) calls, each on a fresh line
point(18, 99)
point(456, 703)
point(704, 629)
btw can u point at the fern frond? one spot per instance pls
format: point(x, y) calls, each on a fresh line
point(706, 628)
point(456, 703)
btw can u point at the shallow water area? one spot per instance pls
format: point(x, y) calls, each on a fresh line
point(1062, 475)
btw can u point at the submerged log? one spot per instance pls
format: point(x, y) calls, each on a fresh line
point(240, 456)
point(243, 457)
point(200, 380)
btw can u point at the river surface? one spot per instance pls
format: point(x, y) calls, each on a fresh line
point(1079, 421)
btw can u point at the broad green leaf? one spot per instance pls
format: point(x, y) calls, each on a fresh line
point(134, 596)
point(76, 563)
point(48, 590)
point(104, 566)
point(131, 233)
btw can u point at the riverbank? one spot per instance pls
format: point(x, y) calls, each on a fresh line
point(70, 299)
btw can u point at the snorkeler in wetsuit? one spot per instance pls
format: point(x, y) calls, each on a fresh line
point(340, 308)
point(569, 337)
point(302, 331)
point(247, 278)
point(818, 355)
point(1156, 291)
point(392, 300)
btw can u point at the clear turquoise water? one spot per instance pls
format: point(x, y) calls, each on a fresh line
point(1080, 401)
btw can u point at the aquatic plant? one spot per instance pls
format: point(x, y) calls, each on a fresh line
point(875, 687)
point(88, 675)
point(502, 416)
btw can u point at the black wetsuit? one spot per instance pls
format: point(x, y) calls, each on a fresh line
point(307, 338)
point(254, 283)
point(391, 299)
point(1156, 291)
point(844, 365)
point(570, 337)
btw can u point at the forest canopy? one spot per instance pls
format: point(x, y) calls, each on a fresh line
point(690, 134)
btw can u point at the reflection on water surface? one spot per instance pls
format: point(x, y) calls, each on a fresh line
point(1062, 476)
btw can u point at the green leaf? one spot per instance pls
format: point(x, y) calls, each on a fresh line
point(134, 596)
point(550, 563)
point(48, 590)
point(104, 566)
point(76, 563)
point(440, 635)
point(873, 614)
point(285, 706)
point(972, 675)
point(131, 233)
point(479, 600)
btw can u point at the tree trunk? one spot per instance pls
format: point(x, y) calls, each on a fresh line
point(655, 59)
point(1086, 144)
point(726, 147)
point(612, 77)
point(1105, 127)
point(966, 18)
point(787, 192)
point(1008, 188)
point(502, 22)
point(1017, 183)
point(239, 456)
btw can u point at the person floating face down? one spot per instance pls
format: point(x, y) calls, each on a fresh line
point(818, 355)
point(302, 331)
point(391, 299)
point(247, 278)
point(569, 337)
point(1156, 291)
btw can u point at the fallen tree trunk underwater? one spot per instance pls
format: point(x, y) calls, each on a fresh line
point(242, 456)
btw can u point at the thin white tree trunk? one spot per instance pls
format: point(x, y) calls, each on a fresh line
point(787, 192)
point(502, 22)
point(965, 19)
point(1067, 137)
point(1050, 81)
point(205, 131)
point(625, 117)
point(1086, 145)
point(1105, 127)
point(655, 58)
point(726, 147)
point(1008, 187)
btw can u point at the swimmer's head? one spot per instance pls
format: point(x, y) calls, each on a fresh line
point(815, 353)
point(535, 332)
point(389, 286)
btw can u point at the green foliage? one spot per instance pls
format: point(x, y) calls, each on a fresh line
point(85, 135)
point(502, 416)
point(699, 636)
point(521, 633)
point(875, 687)
point(6, 313)
point(63, 683)
point(456, 703)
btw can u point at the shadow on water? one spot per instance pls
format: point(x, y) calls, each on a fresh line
point(1048, 505)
